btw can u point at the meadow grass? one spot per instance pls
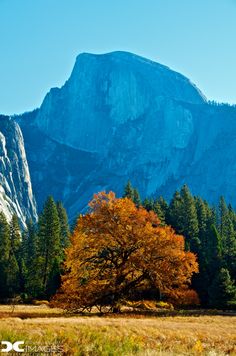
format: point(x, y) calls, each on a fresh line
point(120, 335)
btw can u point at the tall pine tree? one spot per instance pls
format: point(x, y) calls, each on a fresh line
point(128, 191)
point(136, 198)
point(13, 269)
point(4, 253)
point(190, 227)
point(49, 246)
point(33, 262)
point(222, 292)
point(64, 226)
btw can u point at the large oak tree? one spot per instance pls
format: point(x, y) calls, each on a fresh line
point(118, 248)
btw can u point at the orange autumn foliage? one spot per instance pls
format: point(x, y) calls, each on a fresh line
point(183, 297)
point(117, 248)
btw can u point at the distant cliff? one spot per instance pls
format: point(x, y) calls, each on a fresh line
point(120, 116)
point(15, 185)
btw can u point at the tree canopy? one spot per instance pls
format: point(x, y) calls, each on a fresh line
point(118, 248)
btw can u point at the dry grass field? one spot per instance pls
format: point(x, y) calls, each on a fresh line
point(51, 330)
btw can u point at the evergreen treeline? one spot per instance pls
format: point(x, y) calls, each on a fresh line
point(31, 261)
point(210, 232)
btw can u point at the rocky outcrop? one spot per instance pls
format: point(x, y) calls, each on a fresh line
point(120, 117)
point(16, 194)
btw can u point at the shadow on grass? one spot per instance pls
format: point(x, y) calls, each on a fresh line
point(173, 313)
point(123, 314)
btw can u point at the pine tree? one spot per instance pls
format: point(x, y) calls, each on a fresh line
point(209, 264)
point(12, 276)
point(213, 251)
point(164, 208)
point(4, 238)
point(31, 243)
point(228, 236)
point(223, 218)
point(229, 249)
point(34, 287)
point(202, 280)
point(212, 243)
point(148, 204)
point(161, 208)
point(190, 227)
point(54, 278)
point(49, 243)
point(136, 198)
point(222, 292)
point(128, 191)
point(23, 273)
point(158, 210)
point(202, 218)
point(232, 215)
point(32, 266)
point(13, 269)
point(175, 218)
point(4, 253)
point(15, 235)
point(64, 226)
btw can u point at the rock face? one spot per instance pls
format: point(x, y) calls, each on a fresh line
point(120, 117)
point(15, 185)
point(107, 91)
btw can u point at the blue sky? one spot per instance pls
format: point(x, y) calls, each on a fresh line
point(39, 40)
